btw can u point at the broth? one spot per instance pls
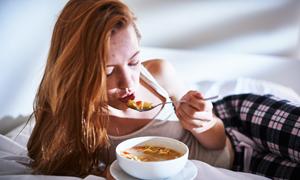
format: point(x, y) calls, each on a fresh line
point(148, 153)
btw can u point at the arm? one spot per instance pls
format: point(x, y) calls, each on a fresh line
point(214, 138)
point(164, 73)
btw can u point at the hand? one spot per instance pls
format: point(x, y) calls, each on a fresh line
point(193, 106)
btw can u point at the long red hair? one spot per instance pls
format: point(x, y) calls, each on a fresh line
point(70, 135)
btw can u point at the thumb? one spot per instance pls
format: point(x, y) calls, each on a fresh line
point(199, 95)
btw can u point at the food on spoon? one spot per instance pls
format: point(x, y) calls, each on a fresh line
point(139, 105)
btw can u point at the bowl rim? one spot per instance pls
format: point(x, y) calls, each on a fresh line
point(154, 162)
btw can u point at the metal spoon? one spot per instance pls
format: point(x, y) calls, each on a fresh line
point(163, 103)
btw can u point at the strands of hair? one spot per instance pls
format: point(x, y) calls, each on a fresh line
point(70, 136)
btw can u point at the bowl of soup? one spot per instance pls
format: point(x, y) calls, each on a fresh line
point(152, 157)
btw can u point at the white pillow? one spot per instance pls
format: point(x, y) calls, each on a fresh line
point(246, 85)
point(8, 123)
point(21, 133)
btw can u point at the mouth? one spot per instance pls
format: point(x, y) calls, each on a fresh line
point(127, 98)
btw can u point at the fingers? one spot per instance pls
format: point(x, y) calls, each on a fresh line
point(193, 107)
point(196, 105)
point(205, 115)
point(192, 93)
point(195, 100)
point(194, 115)
point(187, 122)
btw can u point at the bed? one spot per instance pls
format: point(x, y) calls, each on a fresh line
point(212, 74)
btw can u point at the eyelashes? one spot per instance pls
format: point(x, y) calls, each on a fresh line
point(110, 70)
point(135, 63)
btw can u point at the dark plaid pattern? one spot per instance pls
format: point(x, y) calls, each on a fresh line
point(273, 124)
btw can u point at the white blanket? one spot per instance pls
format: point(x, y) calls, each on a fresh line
point(13, 162)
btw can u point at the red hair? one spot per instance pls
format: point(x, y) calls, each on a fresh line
point(70, 136)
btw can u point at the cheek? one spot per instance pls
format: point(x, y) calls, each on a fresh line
point(111, 93)
point(109, 84)
point(136, 77)
point(113, 82)
point(111, 87)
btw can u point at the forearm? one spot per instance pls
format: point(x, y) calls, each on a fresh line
point(164, 73)
point(213, 138)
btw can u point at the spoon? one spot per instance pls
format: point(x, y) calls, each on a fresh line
point(149, 106)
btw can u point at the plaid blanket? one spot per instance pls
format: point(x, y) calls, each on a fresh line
point(272, 124)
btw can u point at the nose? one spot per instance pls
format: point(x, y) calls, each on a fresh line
point(126, 80)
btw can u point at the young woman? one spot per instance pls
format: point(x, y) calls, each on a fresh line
point(93, 69)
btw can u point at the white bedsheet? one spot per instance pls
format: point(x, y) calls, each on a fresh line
point(13, 156)
point(13, 148)
point(206, 171)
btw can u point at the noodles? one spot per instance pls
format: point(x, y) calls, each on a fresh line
point(139, 105)
point(148, 153)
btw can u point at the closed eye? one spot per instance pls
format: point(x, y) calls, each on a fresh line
point(109, 71)
point(134, 63)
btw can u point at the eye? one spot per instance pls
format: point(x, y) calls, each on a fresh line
point(109, 70)
point(134, 63)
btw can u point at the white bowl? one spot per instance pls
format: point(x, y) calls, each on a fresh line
point(156, 169)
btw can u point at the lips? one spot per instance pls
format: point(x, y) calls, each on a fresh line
point(127, 98)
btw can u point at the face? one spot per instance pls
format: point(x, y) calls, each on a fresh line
point(123, 67)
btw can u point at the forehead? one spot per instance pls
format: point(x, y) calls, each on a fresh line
point(123, 44)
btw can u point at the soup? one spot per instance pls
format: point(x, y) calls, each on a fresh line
point(148, 153)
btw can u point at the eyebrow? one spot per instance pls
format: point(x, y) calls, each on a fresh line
point(135, 54)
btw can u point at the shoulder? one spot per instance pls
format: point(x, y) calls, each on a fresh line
point(165, 74)
point(159, 68)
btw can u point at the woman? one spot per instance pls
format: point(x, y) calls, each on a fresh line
point(93, 69)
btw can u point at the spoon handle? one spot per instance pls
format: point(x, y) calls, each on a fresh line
point(205, 99)
point(210, 98)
